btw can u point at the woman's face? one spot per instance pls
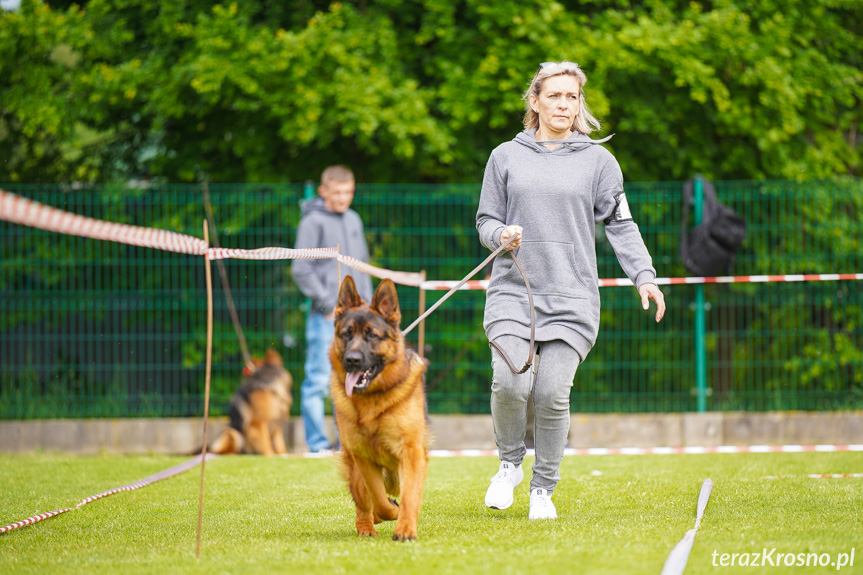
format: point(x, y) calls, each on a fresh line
point(557, 105)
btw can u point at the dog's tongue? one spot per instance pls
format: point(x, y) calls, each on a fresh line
point(351, 380)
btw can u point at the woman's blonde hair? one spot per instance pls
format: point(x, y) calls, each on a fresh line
point(584, 122)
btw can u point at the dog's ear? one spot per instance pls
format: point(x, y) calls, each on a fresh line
point(273, 358)
point(386, 302)
point(348, 296)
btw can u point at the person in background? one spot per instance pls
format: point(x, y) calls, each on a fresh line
point(327, 221)
point(548, 188)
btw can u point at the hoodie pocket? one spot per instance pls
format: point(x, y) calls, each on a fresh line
point(550, 269)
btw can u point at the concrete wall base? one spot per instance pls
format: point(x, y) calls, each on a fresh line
point(183, 435)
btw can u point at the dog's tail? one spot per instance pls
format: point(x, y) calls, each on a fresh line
point(231, 441)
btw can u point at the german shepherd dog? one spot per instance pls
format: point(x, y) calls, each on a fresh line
point(378, 392)
point(258, 410)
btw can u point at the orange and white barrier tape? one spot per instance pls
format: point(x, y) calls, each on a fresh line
point(697, 450)
point(403, 278)
point(170, 472)
point(271, 254)
point(819, 476)
point(738, 279)
point(20, 210)
point(691, 450)
point(26, 212)
point(34, 519)
point(620, 282)
point(443, 285)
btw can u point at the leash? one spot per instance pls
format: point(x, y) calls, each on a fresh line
point(473, 272)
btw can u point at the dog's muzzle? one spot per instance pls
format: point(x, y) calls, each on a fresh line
point(359, 381)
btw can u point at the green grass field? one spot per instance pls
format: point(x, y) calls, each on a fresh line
point(617, 514)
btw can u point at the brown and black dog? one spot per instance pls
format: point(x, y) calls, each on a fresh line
point(378, 392)
point(258, 410)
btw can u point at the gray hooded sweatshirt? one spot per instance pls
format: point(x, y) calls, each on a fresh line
point(558, 196)
point(319, 279)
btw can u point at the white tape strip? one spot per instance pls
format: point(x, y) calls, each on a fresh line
point(679, 556)
point(675, 564)
point(703, 496)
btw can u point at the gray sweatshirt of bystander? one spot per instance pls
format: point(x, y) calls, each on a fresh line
point(318, 279)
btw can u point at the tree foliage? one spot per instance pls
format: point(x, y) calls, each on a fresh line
point(421, 90)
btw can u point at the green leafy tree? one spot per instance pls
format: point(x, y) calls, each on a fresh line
point(421, 90)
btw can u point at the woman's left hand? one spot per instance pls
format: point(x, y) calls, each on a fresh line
point(650, 291)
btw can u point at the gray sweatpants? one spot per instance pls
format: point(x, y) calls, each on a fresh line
point(550, 379)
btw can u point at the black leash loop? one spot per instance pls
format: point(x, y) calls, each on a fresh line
point(499, 349)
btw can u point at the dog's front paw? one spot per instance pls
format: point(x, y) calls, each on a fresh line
point(366, 529)
point(404, 534)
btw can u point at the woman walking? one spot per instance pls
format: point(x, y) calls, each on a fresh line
point(548, 188)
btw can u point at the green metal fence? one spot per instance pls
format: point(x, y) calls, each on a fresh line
point(98, 329)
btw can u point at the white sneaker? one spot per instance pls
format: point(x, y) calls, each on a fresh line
point(507, 478)
point(541, 506)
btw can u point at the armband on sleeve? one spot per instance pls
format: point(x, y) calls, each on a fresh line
point(621, 211)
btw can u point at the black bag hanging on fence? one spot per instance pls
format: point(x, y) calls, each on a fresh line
point(708, 250)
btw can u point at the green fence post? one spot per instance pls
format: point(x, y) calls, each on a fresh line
point(308, 194)
point(700, 351)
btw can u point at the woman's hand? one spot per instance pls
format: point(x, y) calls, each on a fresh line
point(507, 233)
point(650, 291)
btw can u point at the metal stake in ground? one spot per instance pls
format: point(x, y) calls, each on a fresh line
point(208, 274)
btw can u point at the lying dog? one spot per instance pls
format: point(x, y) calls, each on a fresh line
point(259, 410)
point(377, 390)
